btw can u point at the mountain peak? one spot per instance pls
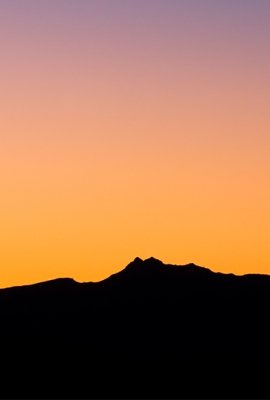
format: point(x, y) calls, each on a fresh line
point(148, 262)
point(153, 260)
point(137, 260)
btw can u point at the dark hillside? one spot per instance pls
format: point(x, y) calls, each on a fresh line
point(149, 331)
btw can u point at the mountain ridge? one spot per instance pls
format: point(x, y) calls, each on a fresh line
point(150, 263)
point(151, 330)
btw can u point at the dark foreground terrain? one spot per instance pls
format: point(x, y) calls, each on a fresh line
point(149, 331)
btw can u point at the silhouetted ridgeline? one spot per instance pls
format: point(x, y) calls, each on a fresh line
point(149, 331)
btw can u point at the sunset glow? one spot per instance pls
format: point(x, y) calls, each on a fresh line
point(133, 128)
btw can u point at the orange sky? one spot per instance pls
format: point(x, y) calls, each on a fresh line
point(133, 128)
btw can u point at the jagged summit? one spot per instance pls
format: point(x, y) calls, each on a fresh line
point(156, 264)
point(148, 261)
point(152, 270)
point(137, 260)
point(153, 261)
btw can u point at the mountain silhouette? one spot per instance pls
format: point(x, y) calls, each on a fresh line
point(151, 330)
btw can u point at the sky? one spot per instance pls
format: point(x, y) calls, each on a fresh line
point(133, 128)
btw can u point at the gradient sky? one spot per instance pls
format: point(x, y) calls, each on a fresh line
point(133, 128)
